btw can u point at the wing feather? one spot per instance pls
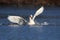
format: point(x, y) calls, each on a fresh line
point(39, 11)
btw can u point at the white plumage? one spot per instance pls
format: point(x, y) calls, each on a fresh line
point(16, 19)
point(20, 20)
point(39, 11)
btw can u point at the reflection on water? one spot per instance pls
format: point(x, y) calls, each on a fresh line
point(26, 32)
point(39, 22)
point(48, 28)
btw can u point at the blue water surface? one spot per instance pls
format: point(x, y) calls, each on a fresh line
point(26, 32)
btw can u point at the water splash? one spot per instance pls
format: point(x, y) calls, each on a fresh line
point(45, 23)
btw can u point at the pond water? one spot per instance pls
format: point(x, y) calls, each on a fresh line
point(49, 28)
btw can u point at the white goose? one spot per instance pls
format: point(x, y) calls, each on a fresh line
point(20, 20)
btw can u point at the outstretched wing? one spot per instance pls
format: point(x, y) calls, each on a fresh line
point(16, 19)
point(39, 11)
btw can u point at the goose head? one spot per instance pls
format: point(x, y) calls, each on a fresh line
point(31, 21)
point(30, 17)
